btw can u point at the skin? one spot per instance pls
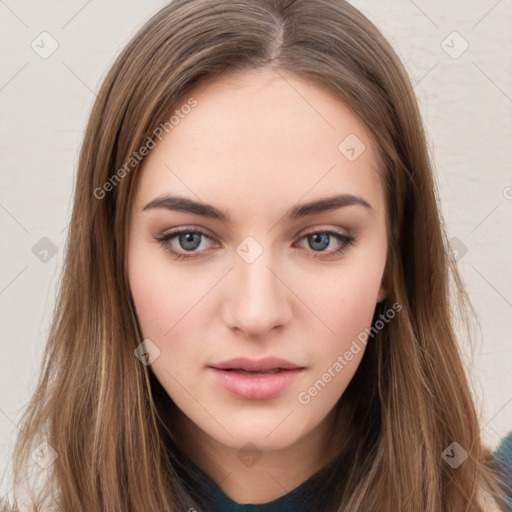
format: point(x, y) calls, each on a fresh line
point(257, 144)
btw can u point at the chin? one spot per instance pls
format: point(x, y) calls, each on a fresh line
point(264, 435)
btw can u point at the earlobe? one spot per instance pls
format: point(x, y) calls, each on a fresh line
point(383, 290)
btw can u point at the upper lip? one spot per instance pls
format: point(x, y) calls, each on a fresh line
point(255, 365)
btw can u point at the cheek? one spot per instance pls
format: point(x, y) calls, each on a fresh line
point(150, 302)
point(346, 307)
point(162, 304)
point(344, 304)
point(170, 308)
point(157, 292)
point(352, 302)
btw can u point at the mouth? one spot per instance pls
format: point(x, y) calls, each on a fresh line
point(254, 372)
point(255, 380)
point(265, 365)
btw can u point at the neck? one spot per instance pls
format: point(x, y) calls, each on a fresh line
point(248, 476)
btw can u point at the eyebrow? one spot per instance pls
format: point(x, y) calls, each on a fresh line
point(184, 204)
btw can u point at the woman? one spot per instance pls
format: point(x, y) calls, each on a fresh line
point(254, 312)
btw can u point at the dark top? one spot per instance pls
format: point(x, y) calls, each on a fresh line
point(503, 456)
point(303, 498)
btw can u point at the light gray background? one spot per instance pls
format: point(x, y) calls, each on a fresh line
point(466, 103)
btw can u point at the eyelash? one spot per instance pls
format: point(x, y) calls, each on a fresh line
point(163, 240)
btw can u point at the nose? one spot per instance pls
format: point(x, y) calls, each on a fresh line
point(257, 298)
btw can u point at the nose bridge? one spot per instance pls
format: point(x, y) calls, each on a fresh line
point(258, 300)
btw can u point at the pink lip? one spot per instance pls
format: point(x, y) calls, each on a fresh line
point(255, 386)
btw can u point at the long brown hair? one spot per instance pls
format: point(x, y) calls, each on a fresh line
point(101, 410)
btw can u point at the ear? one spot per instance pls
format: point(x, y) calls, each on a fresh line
point(384, 289)
point(383, 293)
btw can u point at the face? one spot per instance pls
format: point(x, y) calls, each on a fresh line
point(269, 272)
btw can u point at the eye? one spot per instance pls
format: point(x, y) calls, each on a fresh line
point(319, 240)
point(190, 240)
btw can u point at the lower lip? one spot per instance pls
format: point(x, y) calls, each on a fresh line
point(254, 386)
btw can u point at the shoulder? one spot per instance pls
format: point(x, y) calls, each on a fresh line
point(503, 453)
point(503, 456)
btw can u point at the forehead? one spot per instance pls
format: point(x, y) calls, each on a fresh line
point(261, 138)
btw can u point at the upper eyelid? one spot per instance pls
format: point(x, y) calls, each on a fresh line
point(205, 232)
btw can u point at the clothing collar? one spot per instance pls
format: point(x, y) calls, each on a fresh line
point(306, 497)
